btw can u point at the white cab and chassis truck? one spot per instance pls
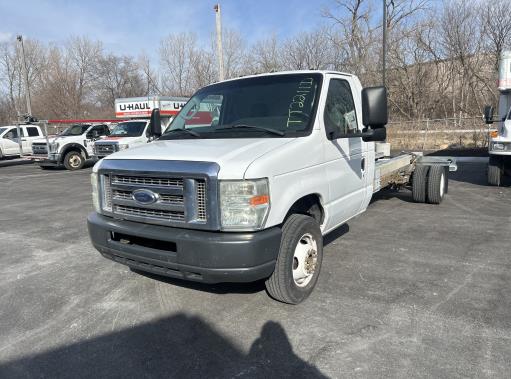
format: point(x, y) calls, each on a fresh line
point(276, 162)
point(135, 132)
point(499, 147)
point(71, 148)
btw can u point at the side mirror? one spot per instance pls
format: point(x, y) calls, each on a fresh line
point(93, 134)
point(374, 107)
point(374, 135)
point(488, 114)
point(155, 123)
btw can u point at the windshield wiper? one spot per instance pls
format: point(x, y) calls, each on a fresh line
point(190, 132)
point(261, 128)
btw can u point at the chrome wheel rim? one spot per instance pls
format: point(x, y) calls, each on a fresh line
point(305, 260)
point(442, 185)
point(75, 161)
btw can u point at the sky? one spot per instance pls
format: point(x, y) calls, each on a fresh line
point(132, 27)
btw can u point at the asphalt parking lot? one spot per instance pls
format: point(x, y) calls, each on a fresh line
point(406, 290)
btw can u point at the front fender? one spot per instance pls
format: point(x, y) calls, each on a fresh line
point(73, 146)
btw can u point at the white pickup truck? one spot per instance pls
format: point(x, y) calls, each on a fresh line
point(135, 132)
point(70, 149)
point(249, 177)
point(10, 143)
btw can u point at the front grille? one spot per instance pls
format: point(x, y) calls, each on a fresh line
point(150, 213)
point(164, 199)
point(147, 181)
point(39, 148)
point(103, 149)
point(177, 201)
point(201, 200)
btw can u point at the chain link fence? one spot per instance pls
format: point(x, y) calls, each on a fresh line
point(439, 134)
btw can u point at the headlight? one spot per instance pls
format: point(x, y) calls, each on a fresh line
point(101, 193)
point(54, 147)
point(498, 146)
point(244, 204)
point(123, 146)
point(95, 192)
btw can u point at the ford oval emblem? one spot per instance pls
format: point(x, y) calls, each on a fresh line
point(144, 197)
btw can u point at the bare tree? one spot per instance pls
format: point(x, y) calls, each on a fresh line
point(266, 56)
point(83, 55)
point(497, 27)
point(234, 53)
point(308, 50)
point(177, 52)
point(118, 77)
point(149, 74)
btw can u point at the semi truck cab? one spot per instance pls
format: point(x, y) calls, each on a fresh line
point(499, 146)
point(248, 190)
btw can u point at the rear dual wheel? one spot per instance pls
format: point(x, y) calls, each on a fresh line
point(429, 183)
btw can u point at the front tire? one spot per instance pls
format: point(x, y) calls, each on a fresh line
point(299, 261)
point(74, 160)
point(494, 171)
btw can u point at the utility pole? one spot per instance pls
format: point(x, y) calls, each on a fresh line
point(384, 44)
point(25, 75)
point(219, 49)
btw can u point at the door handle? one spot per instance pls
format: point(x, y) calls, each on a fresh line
point(23, 139)
point(363, 164)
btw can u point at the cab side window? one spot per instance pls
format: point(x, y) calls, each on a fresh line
point(102, 130)
point(11, 134)
point(32, 132)
point(340, 116)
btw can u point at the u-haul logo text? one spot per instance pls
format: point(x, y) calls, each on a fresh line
point(134, 107)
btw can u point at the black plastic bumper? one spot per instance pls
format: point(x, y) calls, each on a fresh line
point(209, 257)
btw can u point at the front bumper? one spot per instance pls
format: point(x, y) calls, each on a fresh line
point(203, 256)
point(54, 160)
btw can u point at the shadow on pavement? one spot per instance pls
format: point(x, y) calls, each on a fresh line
point(175, 347)
point(218, 288)
point(475, 173)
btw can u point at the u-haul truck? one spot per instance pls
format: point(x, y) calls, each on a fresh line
point(134, 132)
point(500, 140)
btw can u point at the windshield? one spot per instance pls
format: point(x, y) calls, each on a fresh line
point(129, 129)
point(261, 107)
point(75, 130)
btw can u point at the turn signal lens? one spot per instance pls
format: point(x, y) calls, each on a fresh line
point(259, 200)
point(494, 134)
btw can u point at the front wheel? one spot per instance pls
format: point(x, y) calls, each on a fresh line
point(494, 171)
point(74, 160)
point(299, 261)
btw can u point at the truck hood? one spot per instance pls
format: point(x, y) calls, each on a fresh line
point(52, 139)
point(120, 140)
point(234, 155)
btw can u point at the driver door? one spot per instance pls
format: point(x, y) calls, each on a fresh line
point(345, 156)
point(11, 142)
